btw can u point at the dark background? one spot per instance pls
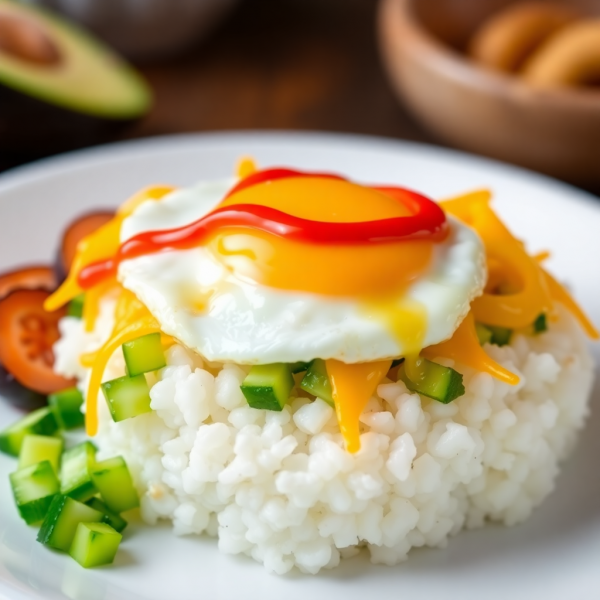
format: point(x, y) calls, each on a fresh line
point(279, 64)
point(282, 64)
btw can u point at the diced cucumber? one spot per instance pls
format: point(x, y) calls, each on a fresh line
point(33, 488)
point(299, 367)
point(316, 381)
point(66, 406)
point(500, 335)
point(144, 354)
point(40, 422)
point(36, 448)
point(268, 386)
point(76, 472)
point(95, 544)
point(115, 520)
point(75, 307)
point(438, 382)
point(113, 480)
point(540, 324)
point(64, 515)
point(127, 397)
point(484, 333)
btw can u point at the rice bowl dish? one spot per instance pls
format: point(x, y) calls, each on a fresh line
point(279, 487)
point(300, 484)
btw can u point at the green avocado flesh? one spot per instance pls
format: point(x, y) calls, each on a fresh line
point(63, 66)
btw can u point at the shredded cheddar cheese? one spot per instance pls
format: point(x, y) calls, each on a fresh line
point(352, 387)
point(100, 245)
point(531, 292)
point(464, 347)
point(142, 326)
point(538, 289)
point(91, 306)
point(245, 167)
point(514, 310)
point(560, 294)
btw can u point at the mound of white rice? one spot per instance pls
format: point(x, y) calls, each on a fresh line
point(279, 487)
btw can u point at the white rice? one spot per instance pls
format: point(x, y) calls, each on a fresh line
point(279, 487)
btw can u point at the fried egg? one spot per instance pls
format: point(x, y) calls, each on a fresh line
point(249, 299)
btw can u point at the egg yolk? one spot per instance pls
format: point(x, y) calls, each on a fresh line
point(379, 269)
point(376, 275)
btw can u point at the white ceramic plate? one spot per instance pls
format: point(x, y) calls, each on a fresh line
point(554, 555)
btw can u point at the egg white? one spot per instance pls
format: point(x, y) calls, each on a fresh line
point(249, 323)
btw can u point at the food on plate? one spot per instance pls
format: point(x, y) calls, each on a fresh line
point(40, 422)
point(27, 334)
point(35, 334)
point(37, 277)
point(66, 407)
point(303, 366)
point(95, 544)
point(77, 230)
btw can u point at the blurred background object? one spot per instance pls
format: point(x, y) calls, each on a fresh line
point(317, 65)
point(513, 80)
point(59, 88)
point(293, 64)
point(146, 29)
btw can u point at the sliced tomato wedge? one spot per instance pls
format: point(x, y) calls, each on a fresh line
point(27, 334)
point(35, 277)
point(76, 231)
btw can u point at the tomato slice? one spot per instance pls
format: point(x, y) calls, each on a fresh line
point(27, 334)
point(35, 277)
point(76, 231)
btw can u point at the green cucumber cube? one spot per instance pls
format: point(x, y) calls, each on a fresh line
point(36, 448)
point(75, 307)
point(64, 515)
point(34, 488)
point(268, 386)
point(316, 382)
point(299, 367)
point(113, 480)
point(40, 422)
point(144, 354)
point(76, 476)
point(127, 397)
point(115, 520)
point(500, 335)
point(438, 382)
point(540, 324)
point(95, 544)
point(484, 334)
point(66, 406)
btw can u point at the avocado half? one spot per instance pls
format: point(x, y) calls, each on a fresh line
point(60, 88)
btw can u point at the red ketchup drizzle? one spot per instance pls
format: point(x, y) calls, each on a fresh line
point(427, 222)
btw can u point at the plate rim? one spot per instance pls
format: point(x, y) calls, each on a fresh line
point(88, 157)
point(64, 164)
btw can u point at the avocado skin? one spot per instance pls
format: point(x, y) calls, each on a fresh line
point(32, 129)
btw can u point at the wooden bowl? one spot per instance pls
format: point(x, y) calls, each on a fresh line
point(422, 41)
